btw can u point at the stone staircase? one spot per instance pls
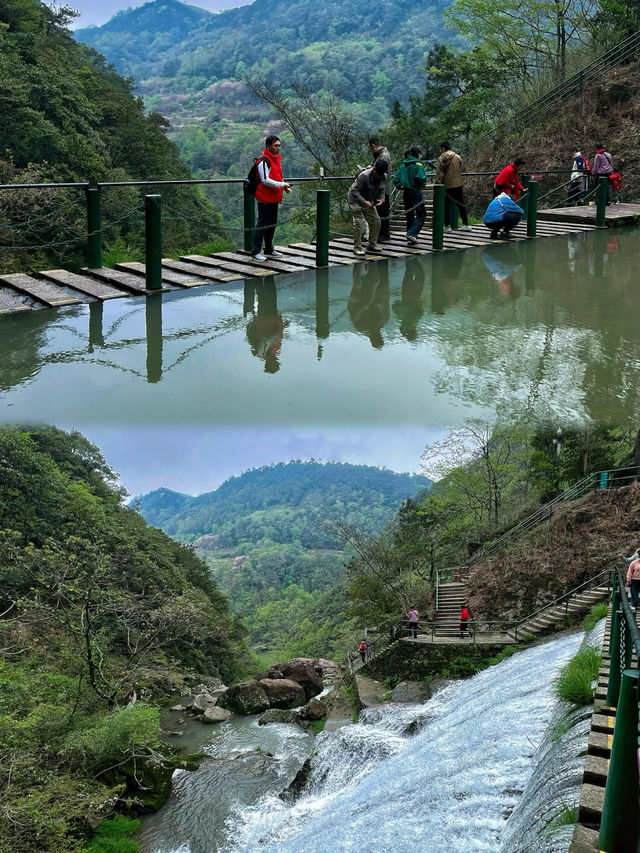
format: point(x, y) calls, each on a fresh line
point(451, 597)
point(545, 618)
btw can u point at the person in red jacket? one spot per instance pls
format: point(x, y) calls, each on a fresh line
point(464, 620)
point(508, 180)
point(268, 195)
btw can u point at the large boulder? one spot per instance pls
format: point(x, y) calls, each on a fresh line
point(283, 692)
point(411, 691)
point(315, 709)
point(215, 714)
point(202, 701)
point(248, 697)
point(303, 671)
point(276, 715)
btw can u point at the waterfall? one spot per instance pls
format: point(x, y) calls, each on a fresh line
point(450, 787)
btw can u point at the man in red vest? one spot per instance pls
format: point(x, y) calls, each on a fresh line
point(268, 195)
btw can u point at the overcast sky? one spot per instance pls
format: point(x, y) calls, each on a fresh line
point(195, 460)
point(96, 12)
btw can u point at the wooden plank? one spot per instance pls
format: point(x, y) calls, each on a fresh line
point(274, 264)
point(12, 302)
point(83, 284)
point(297, 260)
point(125, 280)
point(42, 291)
point(170, 276)
point(211, 273)
point(386, 250)
point(338, 257)
point(223, 266)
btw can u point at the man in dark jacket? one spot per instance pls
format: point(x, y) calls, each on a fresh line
point(365, 197)
point(411, 177)
point(379, 152)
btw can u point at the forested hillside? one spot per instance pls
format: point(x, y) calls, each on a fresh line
point(67, 116)
point(270, 538)
point(187, 65)
point(101, 616)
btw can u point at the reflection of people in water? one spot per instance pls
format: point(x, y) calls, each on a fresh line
point(502, 262)
point(264, 330)
point(410, 307)
point(447, 281)
point(368, 301)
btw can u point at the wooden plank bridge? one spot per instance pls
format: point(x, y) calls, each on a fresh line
point(21, 292)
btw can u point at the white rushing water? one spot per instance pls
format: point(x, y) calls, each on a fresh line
point(449, 788)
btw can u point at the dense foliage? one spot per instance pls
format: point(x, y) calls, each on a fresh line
point(67, 116)
point(100, 615)
point(269, 536)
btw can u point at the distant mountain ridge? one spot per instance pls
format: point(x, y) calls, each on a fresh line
point(186, 63)
point(314, 487)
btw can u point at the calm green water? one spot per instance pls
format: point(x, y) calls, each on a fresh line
point(550, 327)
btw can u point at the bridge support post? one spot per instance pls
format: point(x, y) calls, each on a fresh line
point(322, 228)
point(249, 219)
point(94, 228)
point(437, 224)
point(601, 201)
point(620, 826)
point(153, 242)
point(532, 208)
point(524, 204)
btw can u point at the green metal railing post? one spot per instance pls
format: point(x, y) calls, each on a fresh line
point(249, 219)
point(322, 228)
point(601, 201)
point(532, 208)
point(437, 224)
point(524, 204)
point(615, 668)
point(620, 825)
point(153, 242)
point(94, 228)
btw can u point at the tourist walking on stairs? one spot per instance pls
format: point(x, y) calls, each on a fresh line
point(449, 170)
point(268, 195)
point(633, 580)
point(464, 621)
point(412, 178)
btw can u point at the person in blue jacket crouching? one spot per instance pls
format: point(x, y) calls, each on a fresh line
point(502, 215)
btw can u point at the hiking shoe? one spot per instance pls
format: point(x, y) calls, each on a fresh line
point(274, 254)
point(373, 247)
point(412, 239)
point(466, 228)
point(384, 239)
point(258, 256)
point(494, 236)
point(359, 252)
point(504, 236)
point(447, 228)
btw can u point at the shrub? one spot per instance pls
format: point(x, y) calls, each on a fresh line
point(597, 612)
point(116, 737)
point(574, 683)
point(114, 836)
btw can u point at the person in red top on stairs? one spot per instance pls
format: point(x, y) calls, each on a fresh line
point(508, 180)
point(268, 195)
point(464, 621)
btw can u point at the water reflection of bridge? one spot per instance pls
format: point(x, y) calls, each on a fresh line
point(55, 288)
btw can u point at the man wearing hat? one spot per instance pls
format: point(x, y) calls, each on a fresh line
point(366, 194)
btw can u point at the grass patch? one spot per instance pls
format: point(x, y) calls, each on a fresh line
point(560, 728)
point(386, 696)
point(574, 683)
point(217, 244)
point(565, 816)
point(316, 726)
point(503, 654)
point(120, 252)
point(114, 836)
point(597, 612)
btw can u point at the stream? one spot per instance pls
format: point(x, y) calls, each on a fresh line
point(378, 786)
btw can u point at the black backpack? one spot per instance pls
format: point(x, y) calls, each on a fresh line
point(253, 178)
